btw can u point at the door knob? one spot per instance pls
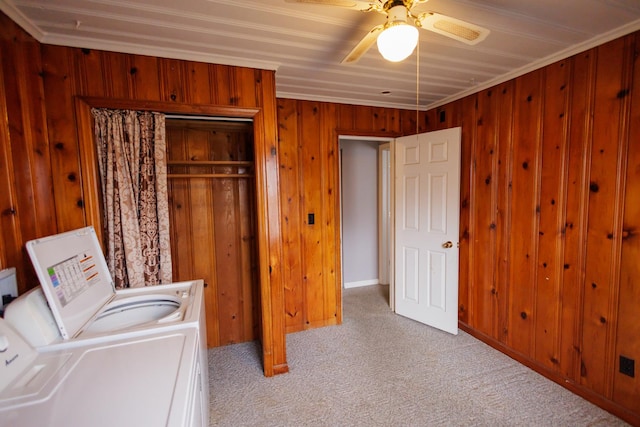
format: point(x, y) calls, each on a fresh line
point(447, 245)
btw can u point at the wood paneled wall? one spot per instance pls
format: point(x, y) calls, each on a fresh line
point(42, 135)
point(309, 184)
point(549, 213)
point(550, 194)
point(549, 217)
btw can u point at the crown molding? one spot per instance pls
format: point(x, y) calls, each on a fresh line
point(160, 52)
point(558, 56)
point(19, 18)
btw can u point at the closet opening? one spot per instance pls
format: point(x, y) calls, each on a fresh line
point(212, 210)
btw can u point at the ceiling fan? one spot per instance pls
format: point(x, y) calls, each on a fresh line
point(398, 36)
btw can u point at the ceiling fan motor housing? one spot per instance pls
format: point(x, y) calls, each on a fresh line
point(397, 14)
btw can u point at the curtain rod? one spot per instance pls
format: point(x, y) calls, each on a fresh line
point(209, 118)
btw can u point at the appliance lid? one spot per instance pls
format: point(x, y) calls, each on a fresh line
point(73, 275)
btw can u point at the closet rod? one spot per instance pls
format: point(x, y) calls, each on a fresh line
point(209, 175)
point(236, 163)
point(208, 118)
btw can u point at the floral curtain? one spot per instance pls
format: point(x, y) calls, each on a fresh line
point(132, 161)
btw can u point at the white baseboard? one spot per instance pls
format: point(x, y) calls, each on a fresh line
point(361, 283)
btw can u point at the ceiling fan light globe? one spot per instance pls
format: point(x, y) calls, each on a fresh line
point(398, 41)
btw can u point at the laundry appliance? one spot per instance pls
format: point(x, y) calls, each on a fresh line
point(77, 304)
point(149, 380)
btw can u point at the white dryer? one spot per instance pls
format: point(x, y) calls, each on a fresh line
point(77, 304)
point(151, 380)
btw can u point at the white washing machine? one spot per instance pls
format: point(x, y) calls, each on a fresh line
point(150, 380)
point(77, 304)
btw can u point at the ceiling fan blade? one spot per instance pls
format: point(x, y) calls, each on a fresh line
point(451, 27)
point(363, 45)
point(351, 4)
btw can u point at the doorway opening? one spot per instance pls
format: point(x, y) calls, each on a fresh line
point(365, 183)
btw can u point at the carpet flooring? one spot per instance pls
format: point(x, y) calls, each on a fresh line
point(381, 369)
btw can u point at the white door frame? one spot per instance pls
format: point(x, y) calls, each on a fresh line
point(384, 212)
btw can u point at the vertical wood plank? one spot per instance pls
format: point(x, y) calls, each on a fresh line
point(145, 82)
point(345, 118)
point(602, 210)
point(59, 85)
point(197, 81)
point(247, 82)
point(550, 233)
point(328, 221)
point(482, 214)
point(288, 148)
point(468, 123)
point(311, 170)
point(524, 211)
point(117, 75)
point(504, 167)
point(363, 120)
point(9, 219)
point(575, 222)
point(222, 86)
point(171, 80)
point(90, 72)
point(626, 389)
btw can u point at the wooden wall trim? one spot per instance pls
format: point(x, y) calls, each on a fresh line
point(9, 220)
point(170, 107)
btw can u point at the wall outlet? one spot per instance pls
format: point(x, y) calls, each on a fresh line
point(627, 366)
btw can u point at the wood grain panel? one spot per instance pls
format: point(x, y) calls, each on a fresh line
point(247, 85)
point(197, 81)
point(575, 222)
point(482, 215)
point(60, 87)
point(363, 121)
point(9, 220)
point(346, 117)
point(89, 69)
point(503, 219)
point(29, 147)
point(603, 209)
point(524, 211)
point(467, 120)
point(552, 203)
point(117, 75)
point(329, 220)
point(312, 245)
point(291, 213)
point(144, 77)
point(603, 115)
point(221, 85)
point(626, 389)
point(172, 86)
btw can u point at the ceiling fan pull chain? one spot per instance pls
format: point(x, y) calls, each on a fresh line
point(418, 87)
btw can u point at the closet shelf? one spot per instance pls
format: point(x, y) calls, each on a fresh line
point(208, 163)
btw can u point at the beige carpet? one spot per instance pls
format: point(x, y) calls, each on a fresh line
point(380, 369)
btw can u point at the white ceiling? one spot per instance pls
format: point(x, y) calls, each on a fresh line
point(305, 43)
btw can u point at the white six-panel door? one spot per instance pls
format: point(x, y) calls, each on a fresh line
point(427, 218)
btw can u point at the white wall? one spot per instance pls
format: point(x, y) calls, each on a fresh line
point(359, 212)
